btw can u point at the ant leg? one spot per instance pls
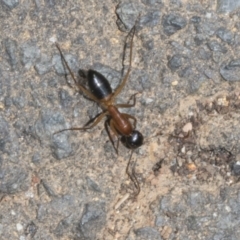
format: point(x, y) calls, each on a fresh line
point(109, 123)
point(127, 105)
point(132, 175)
point(131, 117)
point(115, 132)
point(82, 88)
point(120, 87)
point(97, 120)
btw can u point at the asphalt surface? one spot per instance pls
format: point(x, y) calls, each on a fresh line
point(72, 184)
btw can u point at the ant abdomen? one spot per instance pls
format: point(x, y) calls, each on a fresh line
point(98, 85)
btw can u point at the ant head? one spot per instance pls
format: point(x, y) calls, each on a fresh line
point(133, 141)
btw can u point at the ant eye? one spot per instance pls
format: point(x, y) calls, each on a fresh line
point(133, 141)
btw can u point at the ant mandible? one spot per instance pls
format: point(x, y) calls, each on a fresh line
point(101, 92)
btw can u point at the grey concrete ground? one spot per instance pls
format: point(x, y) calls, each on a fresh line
point(72, 185)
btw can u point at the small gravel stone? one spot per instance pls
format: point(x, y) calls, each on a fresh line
point(186, 72)
point(236, 168)
point(59, 66)
point(47, 124)
point(199, 39)
point(62, 205)
point(50, 3)
point(7, 102)
point(49, 190)
point(151, 2)
point(192, 223)
point(216, 46)
point(31, 229)
point(206, 28)
point(65, 99)
point(92, 185)
point(173, 23)
point(36, 158)
point(151, 19)
point(92, 220)
point(44, 65)
point(61, 147)
point(63, 226)
point(1, 229)
point(187, 127)
point(176, 62)
point(204, 53)
point(127, 13)
point(227, 6)
point(19, 227)
point(225, 35)
point(196, 19)
point(231, 71)
point(29, 54)
point(10, 3)
point(13, 180)
point(147, 233)
point(11, 49)
point(147, 43)
point(20, 101)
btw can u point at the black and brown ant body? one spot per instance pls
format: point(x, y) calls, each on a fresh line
point(101, 92)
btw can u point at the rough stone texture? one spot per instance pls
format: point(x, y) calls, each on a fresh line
point(71, 184)
point(231, 70)
point(10, 3)
point(227, 6)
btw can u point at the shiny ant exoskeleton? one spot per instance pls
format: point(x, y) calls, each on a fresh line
point(101, 92)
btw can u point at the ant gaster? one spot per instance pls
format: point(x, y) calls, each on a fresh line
point(101, 92)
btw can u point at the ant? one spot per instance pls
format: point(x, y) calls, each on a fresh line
point(101, 92)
